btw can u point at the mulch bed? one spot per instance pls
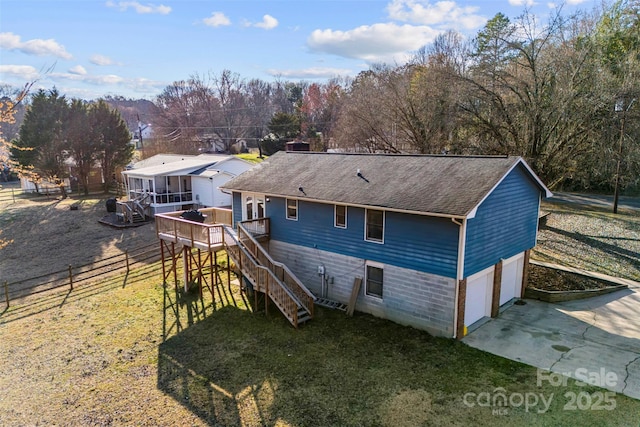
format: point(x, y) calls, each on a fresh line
point(549, 279)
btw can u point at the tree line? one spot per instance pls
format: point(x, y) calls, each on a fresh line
point(58, 135)
point(562, 93)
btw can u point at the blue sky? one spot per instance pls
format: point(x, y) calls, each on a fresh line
point(89, 49)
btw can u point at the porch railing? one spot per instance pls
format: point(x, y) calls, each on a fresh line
point(164, 198)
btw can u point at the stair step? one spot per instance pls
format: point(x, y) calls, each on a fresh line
point(324, 302)
point(304, 318)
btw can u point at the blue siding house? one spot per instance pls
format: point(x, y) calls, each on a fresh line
point(439, 242)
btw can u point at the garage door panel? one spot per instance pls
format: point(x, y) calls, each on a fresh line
point(478, 299)
point(511, 283)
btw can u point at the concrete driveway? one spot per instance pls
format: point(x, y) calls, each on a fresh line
point(592, 338)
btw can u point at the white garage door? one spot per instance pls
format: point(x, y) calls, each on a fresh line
point(478, 301)
point(511, 286)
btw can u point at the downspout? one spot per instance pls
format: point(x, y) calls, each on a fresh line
point(462, 238)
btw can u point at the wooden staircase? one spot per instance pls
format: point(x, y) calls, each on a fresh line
point(266, 275)
point(135, 211)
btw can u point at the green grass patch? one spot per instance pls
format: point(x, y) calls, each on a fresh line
point(134, 352)
point(251, 157)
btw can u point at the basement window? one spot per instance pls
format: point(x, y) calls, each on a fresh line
point(374, 276)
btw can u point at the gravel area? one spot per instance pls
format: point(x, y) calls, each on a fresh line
point(592, 239)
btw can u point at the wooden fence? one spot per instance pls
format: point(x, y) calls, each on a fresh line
point(11, 194)
point(75, 276)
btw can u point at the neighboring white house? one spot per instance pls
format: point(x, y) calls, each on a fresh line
point(174, 182)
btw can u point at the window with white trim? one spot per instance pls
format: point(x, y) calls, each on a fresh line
point(340, 217)
point(374, 283)
point(374, 226)
point(292, 209)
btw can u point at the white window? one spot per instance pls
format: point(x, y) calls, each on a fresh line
point(374, 282)
point(292, 209)
point(340, 217)
point(374, 226)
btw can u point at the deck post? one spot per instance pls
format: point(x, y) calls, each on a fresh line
point(164, 272)
point(266, 295)
point(70, 276)
point(200, 272)
point(185, 262)
point(174, 263)
point(214, 276)
point(229, 271)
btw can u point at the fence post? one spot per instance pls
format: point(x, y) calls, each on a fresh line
point(13, 196)
point(71, 276)
point(6, 292)
point(126, 257)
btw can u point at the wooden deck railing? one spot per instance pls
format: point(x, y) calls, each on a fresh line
point(171, 227)
point(280, 270)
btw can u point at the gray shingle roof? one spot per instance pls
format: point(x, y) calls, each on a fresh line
point(437, 185)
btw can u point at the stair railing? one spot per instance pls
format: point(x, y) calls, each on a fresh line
point(262, 278)
point(281, 271)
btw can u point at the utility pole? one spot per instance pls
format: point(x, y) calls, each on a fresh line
point(620, 107)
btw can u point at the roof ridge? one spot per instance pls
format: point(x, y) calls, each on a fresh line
point(454, 156)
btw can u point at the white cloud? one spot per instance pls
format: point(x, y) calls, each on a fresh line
point(101, 60)
point(375, 43)
point(268, 23)
point(78, 69)
point(140, 8)
point(217, 19)
point(442, 13)
point(99, 85)
point(25, 72)
point(310, 73)
point(522, 3)
point(575, 2)
point(39, 47)
point(105, 79)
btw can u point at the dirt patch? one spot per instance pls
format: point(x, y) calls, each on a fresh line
point(549, 279)
point(48, 236)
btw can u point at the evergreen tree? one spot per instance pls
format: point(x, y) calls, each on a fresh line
point(40, 147)
point(113, 140)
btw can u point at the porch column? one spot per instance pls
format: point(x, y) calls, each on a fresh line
point(497, 287)
point(525, 272)
point(462, 299)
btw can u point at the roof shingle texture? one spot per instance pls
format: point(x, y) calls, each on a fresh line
point(446, 185)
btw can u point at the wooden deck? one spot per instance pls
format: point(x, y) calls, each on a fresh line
point(244, 248)
point(208, 236)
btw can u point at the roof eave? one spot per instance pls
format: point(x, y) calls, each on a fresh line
point(357, 205)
